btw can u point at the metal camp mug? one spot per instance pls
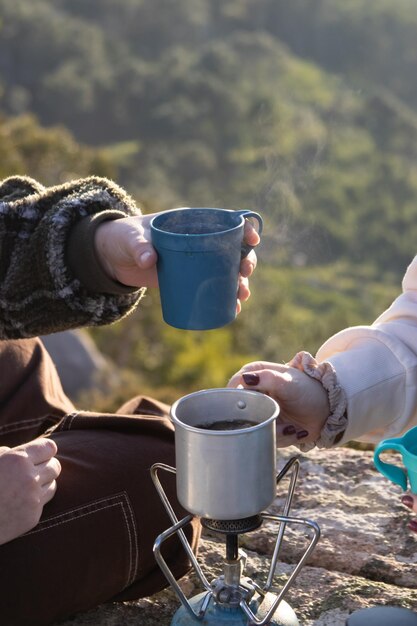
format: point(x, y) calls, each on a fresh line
point(407, 447)
point(225, 474)
point(199, 253)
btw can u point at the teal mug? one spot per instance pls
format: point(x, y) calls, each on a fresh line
point(199, 253)
point(407, 447)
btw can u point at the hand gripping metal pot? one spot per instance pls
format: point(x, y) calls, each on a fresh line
point(225, 474)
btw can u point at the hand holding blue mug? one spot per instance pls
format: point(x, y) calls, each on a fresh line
point(407, 447)
point(199, 256)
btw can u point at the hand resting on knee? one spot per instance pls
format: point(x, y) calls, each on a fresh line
point(28, 476)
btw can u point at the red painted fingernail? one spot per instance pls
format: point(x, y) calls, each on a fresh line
point(288, 430)
point(407, 501)
point(302, 433)
point(413, 525)
point(251, 379)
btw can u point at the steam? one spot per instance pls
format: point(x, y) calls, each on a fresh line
point(280, 201)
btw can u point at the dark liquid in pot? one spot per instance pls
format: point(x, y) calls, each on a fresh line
point(226, 425)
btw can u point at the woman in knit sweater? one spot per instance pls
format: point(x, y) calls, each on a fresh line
point(78, 510)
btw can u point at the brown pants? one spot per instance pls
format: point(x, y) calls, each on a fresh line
point(94, 541)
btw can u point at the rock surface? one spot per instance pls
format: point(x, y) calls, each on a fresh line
point(80, 364)
point(366, 555)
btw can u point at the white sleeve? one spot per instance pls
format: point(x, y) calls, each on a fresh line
point(377, 367)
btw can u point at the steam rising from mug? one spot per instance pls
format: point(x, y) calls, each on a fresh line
point(199, 253)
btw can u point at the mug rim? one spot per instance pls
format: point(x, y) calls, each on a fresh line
point(399, 444)
point(405, 439)
point(217, 233)
point(407, 433)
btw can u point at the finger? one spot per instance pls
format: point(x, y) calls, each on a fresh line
point(39, 450)
point(243, 291)
point(237, 381)
point(49, 471)
point(258, 367)
point(238, 306)
point(137, 234)
point(143, 253)
point(146, 257)
point(268, 381)
point(250, 234)
point(410, 501)
point(264, 365)
point(286, 435)
point(289, 434)
point(248, 264)
point(48, 491)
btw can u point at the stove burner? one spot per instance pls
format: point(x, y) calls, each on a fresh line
point(234, 526)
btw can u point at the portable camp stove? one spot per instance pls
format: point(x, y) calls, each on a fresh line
point(228, 478)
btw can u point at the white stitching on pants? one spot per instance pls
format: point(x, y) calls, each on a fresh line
point(66, 422)
point(121, 500)
point(135, 537)
point(72, 418)
point(130, 577)
point(24, 424)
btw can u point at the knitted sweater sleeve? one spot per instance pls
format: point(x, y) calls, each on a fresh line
point(39, 290)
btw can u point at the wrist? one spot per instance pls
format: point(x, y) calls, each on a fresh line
point(85, 262)
point(101, 238)
point(335, 424)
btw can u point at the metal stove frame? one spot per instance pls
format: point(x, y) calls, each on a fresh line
point(250, 587)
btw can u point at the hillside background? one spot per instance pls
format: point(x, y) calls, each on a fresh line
point(305, 111)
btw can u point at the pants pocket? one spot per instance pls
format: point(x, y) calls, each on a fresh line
point(70, 562)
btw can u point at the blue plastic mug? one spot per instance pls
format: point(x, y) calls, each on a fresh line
point(199, 253)
point(407, 447)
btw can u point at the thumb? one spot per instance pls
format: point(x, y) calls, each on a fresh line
point(268, 381)
point(139, 242)
point(144, 254)
point(124, 242)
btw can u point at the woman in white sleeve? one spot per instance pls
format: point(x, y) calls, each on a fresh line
point(362, 385)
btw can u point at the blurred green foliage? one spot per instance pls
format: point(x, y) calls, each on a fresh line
point(304, 110)
point(51, 155)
